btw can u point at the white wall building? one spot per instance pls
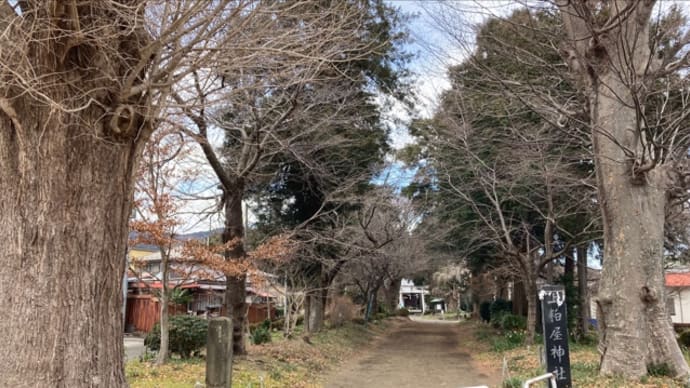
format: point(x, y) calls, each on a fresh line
point(412, 297)
point(678, 297)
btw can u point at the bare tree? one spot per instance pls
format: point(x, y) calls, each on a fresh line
point(83, 84)
point(276, 102)
point(381, 247)
point(158, 212)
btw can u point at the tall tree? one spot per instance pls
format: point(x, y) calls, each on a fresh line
point(310, 194)
point(82, 86)
point(296, 83)
point(621, 67)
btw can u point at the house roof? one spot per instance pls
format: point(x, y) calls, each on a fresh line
point(678, 279)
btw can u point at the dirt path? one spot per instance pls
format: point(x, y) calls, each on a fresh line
point(414, 354)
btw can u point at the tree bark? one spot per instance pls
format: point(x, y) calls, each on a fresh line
point(637, 330)
point(613, 67)
point(236, 291)
point(315, 312)
point(519, 299)
point(583, 292)
point(531, 293)
point(392, 293)
point(64, 208)
point(164, 300)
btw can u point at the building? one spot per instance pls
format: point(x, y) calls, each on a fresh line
point(205, 286)
point(412, 296)
point(678, 296)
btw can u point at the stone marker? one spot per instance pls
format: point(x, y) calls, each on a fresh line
point(219, 353)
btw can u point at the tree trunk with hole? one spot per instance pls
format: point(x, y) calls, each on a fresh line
point(64, 209)
point(236, 292)
point(583, 292)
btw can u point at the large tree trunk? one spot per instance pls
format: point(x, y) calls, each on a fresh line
point(64, 208)
point(583, 292)
point(236, 291)
point(613, 63)
point(637, 330)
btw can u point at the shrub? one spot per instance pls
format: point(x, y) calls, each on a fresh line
point(485, 311)
point(359, 321)
point(262, 333)
point(341, 310)
point(513, 322)
point(187, 335)
point(403, 312)
point(379, 316)
point(684, 338)
point(497, 310)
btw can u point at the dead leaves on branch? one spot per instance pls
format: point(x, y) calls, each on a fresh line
point(277, 249)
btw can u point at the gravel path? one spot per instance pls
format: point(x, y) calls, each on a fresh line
point(414, 354)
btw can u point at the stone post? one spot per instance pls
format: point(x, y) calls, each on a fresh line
point(219, 353)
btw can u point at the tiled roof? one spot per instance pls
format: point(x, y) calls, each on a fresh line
point(678, 279)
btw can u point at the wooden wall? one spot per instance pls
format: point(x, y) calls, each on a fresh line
point(143, 311)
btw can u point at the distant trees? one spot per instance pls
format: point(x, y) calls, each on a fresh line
point(610, 79)
point(511, 183)
point(311, 187)
point(300, 76)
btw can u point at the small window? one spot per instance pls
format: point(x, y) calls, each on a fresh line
point(671, 306)
point(154, 268)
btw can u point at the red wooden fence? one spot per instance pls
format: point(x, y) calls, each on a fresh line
point(143, 311)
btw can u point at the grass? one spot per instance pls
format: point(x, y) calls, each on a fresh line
point(522, 362)
point(280, 363)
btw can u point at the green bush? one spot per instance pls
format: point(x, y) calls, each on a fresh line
point(684, 339)
point(497, 310)
point(513, 322)
point(403, 312)
point(187, 335)
point(485, 311)
point(262, 333)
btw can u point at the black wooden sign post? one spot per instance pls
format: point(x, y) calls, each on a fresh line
point(555, 324)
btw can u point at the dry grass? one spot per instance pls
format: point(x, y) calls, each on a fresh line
point(522, 363)
point(281, 363)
